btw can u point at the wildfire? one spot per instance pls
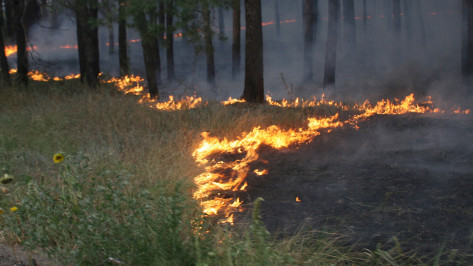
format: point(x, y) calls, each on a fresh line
point(218, 186)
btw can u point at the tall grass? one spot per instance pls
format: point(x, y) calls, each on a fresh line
point(123, 192)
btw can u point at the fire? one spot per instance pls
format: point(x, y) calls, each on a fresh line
point(231, 101)
point(129, 84)
point(297, 199)
point(187, 102)
point(218, 185)
point(10, 49)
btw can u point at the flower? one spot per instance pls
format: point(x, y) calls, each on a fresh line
point(58, 157)
point(14, 209)
point(1, 211)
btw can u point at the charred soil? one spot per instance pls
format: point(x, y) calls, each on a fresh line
point(404, 177)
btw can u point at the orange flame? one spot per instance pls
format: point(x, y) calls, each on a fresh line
point(297, 199)
point(233, 179)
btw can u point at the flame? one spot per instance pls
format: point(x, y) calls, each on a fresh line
point(229, 177)
point(129, 84)
point(10, 49)
point(232, 101)
point(297, 199)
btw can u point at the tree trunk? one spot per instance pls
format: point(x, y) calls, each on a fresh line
point(9, 10)
point(122, 40)
point(254, 80)
point(81, 48)
point(467, 44)
point(148, 42)
point(236, 44)
point(388, 13)
point(3, 59)
point(153, 17)
point(420, 17)
point(316, 20)
point(209, 49)
point(365, 16)
point(22, 54)
point(111, 38)
point(170, 40)
point(396, 31)
point(277, 18)
point(408, 21)
point(308, 40)
point(331, 46)
point(221, 23)
point(349, 23)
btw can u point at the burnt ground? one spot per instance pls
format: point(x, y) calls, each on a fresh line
point(409, 177)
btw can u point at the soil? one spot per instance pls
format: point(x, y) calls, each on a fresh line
point(15, 256)
point(409, 177)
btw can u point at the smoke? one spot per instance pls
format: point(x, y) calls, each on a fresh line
point(429, 63)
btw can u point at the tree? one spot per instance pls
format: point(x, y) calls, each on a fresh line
point(396, 31)
point(208, 40)
point(236, 41)
point(221, 23)
point(277, 19)
point(349, 23)
point(145, 20)
point(170, 39)
point(20, 33)
point(254, 80)
point(122, 40)
point(331, 45)
point(86, 12)
point(467, 43)
point(3, 58)
point(308, 39)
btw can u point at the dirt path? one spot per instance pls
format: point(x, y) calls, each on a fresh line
point(409, 177)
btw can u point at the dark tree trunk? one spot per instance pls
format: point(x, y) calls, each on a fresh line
point(308, 39)
point(170, 41)
point(122, 40)
point(236, 44)
point(331, 46)
point(277, 18)
point(221, 23)
point(467, 43)
point(254, 80)
point(20, 33)
point(209, 49)
point(153, 17)
point(365, 16)
point(81, 50)
point(162, 13)
point(396, 31)
point(408, 15)
point(149, 49)
point(9, 10)
point(349, 23)
point(316, 20)
point(3, 58)
point(111, 39)
point(420, 17)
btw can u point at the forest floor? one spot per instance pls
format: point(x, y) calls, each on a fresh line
point(398, 182)
point(10, 256)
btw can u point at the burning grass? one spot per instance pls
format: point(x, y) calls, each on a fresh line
point(127, 180)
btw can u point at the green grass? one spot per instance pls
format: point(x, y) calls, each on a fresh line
point(124, 189)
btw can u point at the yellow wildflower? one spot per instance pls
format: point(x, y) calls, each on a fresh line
point(14, 209)
point(1, 211)
point(58, 157)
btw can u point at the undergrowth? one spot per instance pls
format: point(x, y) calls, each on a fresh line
point(121, 193)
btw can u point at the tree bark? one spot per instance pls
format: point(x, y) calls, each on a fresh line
point(254, 80)
point(209, 49)
point(148, 42)
point(277, 18)
point(221, 23)
point(308, 40)
point(9, 20)
point(236, 42)
point(331, 45)
point(87, 30)
point(396, 31)
point(20, 33)
point(3, 58)
point(122, 40)
point(170, 40)
point(111, 38)
point(349, 23)
point(467, 43)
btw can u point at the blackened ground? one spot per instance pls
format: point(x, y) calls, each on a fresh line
point(409, 177)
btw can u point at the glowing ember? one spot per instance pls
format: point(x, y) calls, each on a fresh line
point(129, 84)
point(233, 178)
point(232, 101)
point(297, 199)
point(186, 102)
point(10, 49)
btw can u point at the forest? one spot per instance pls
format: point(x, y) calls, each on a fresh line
point(230, 132)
